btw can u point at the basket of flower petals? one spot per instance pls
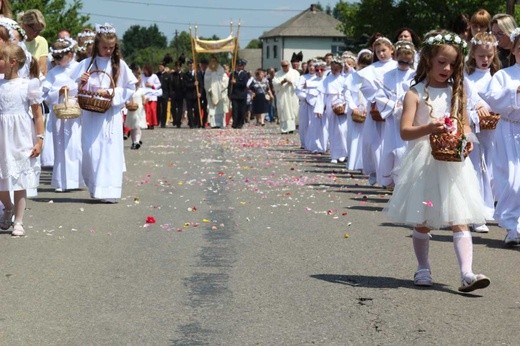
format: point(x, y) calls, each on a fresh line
point(94, 101)
point(374, 112)
point(489, 122)
point(451, 145)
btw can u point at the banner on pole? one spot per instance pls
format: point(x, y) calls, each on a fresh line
point(215, 46)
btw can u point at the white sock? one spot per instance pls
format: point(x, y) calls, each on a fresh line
point(463, 246)
point(421, 246)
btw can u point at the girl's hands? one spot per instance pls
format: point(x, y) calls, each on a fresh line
point(436, 126)
point(37, 149)
point(84, 78)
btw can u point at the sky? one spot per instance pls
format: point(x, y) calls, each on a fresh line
point(212, 17)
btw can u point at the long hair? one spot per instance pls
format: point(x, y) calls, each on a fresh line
point(483, 39)
point(115, 58)
point(428, 53)
point(5, 9)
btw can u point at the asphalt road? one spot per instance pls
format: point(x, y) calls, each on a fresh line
point(255, 243)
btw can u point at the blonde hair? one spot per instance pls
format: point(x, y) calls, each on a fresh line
point(14, 52)
point(505, 22)
point(481, 18)
point(33, 18)
point(483, 39)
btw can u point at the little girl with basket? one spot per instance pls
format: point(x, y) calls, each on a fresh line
point(106, 84)
point(432, 193)
point(21, 137)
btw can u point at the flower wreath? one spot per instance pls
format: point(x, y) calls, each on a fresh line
point(87, 34)
point(69, 48)
point(20, 30)
point(9, 28)
point(482, 43)
point(404, 45)
point(514, 34)
point(105, 29)
point(450, 38)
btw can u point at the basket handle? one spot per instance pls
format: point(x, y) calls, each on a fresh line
point(112, 84)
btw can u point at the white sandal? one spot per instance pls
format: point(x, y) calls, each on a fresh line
point(18, 229)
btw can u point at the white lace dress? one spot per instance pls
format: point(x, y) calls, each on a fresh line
point(431, 192)
point(17, 134)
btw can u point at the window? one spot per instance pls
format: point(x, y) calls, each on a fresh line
point(275, 52)
point(267, 52)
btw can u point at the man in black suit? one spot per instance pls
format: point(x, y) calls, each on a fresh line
point(177, 94)
point(203, 99)
point(162, 101)
point(191, 96)
point(238, 94)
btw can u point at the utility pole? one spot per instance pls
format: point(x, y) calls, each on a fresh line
point(510, 7)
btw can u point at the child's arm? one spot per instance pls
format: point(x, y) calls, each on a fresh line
point(409, 131)
point(38, 125)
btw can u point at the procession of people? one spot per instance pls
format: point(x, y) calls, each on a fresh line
point(382, 111)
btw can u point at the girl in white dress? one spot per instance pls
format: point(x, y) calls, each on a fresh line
point(482, 64)
point(502, 95)
point(102, 133)
point(372, 129)
point(431, 193)
point(389, 100)
point(21, 137)
point(136, 119)
point(306, 110)
point(331, 92)
point(317, 134)
point(66, 172)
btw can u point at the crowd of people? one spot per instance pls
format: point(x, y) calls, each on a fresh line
point(380, 111)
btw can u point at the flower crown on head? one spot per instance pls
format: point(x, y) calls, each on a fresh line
point(87, 34)
point(105, 29)
point(404, 45)
point(71, 43)
point(475, 42)
point(9, 29)
point(449, 38)
point(319, 63)
point(337, 60)
point(514, 34)
point(20, 30)
point(383, 39)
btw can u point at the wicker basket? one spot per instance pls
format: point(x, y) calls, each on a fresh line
point(489, 122)
point(93, 101)
point(374, 112)
point(448, 147)
point(359, 117)
point(339, 109)
point(132, 106)
point(67, 109)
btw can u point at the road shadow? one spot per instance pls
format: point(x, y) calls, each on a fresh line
point(383, 282)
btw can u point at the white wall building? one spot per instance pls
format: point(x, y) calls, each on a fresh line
point(312, 32)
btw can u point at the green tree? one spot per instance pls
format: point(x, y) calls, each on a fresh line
point(58, 15)
point(181, 44)
point(360, 20)
point(137, 38)
point(254, 43)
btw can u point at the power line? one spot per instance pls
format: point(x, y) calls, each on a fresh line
point(205, 7)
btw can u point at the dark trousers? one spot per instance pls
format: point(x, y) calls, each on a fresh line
point(239, 109)
point(176, 109)
point(162, 108)
point(193, 113)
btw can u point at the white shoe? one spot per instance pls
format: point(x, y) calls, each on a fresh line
point(480, 228)
point(512, 238)
point(476, 282)
point(342, 159)
point(333, 161)
point(423, 277)
point(372, 180)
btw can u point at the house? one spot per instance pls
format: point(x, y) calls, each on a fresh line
point(312, 32)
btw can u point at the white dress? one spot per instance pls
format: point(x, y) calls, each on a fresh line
point(483, 150)
point(389, 100)
point(501, 94)
point(373, 130)
point(102, 133)
point(66, 136)
point(287, 102)
point(306, 111)
point(431, 192)
point(317, 134)
point(215, 84)
point(137, 119)
point(17, 134)
point(354, 129)
point(331, 92)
